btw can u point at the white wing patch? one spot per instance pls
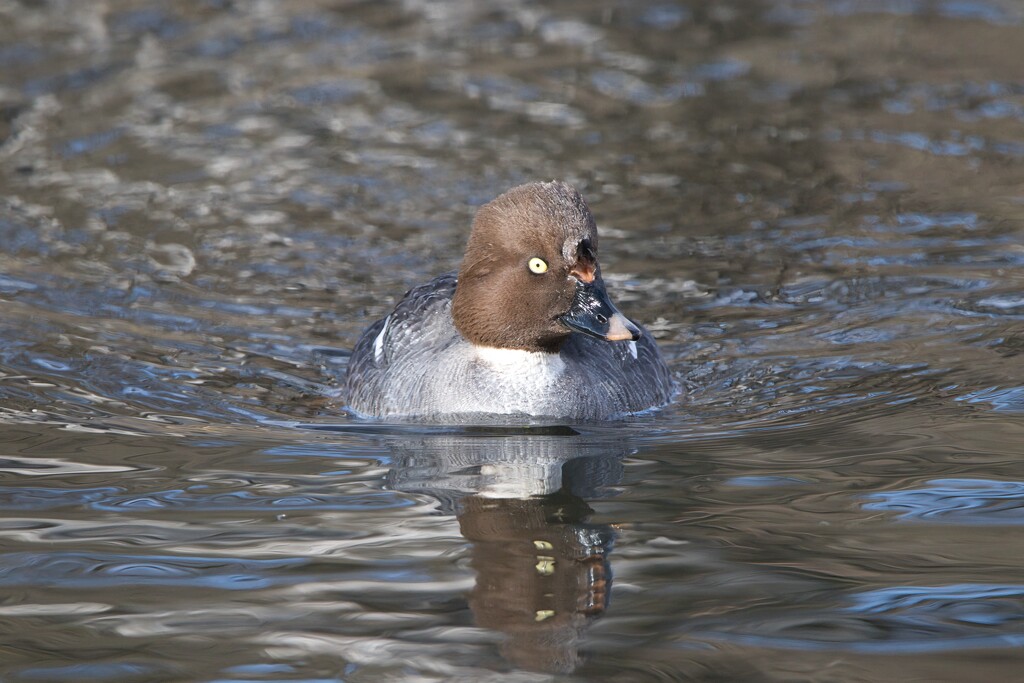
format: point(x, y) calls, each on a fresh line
point(378, 343)
point(632, 349)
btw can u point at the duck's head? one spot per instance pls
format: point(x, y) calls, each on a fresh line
point(530, 277)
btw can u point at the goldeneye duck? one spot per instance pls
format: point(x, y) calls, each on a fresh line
point(525, 328)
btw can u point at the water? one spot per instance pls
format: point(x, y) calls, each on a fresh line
point(816, 207)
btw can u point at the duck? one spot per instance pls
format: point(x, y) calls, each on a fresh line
point(525, 328)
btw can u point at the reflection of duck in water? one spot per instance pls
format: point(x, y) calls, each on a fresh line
point(542, 574)
point(542, 570)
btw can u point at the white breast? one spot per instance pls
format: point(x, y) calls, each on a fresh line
point(528, 365)
point(522, 381)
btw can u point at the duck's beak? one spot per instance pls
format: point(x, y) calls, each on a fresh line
point(593, 314)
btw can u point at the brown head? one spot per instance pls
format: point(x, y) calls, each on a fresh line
point(530, 276)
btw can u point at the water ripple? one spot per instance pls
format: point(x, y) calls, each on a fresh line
point(956, 501)
point(68, 570)
point(197, 499)
point(904, 619)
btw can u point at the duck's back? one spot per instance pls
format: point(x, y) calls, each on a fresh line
point(415, 364)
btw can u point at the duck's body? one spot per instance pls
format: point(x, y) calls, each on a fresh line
point(525, 329)
point(415, 363)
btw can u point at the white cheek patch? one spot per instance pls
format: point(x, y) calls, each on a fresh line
point(632, 349)
point(378, 343)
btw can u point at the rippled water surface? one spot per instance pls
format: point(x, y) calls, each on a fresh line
point(816, 206)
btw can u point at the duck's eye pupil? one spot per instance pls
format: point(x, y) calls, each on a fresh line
point(538, 265)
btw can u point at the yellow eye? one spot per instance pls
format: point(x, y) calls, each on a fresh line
point(538, 265)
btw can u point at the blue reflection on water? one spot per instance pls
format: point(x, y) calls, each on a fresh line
point(1007, 399)
point(97, 671)
point(98, 570)
point(898, 619)
point(198, 499)
point(938, 598)
point(959, 501)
